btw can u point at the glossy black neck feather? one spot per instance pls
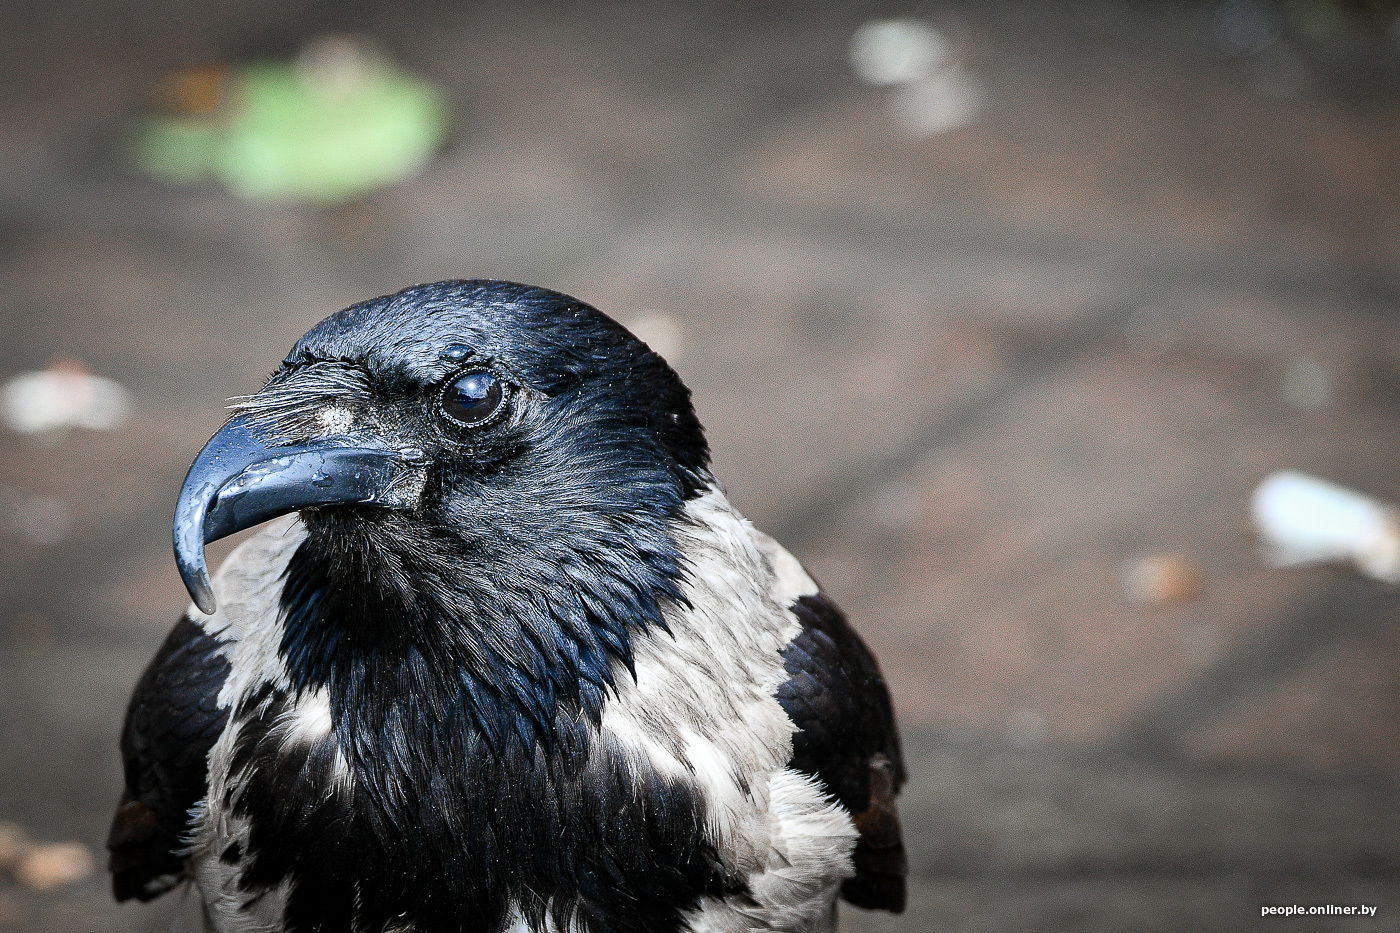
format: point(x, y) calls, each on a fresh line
point(515, 632)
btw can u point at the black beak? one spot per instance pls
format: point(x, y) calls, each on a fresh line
point(237, 482)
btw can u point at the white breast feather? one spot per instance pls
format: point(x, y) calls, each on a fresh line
point(711, 683)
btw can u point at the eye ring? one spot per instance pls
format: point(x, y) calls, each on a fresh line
point(474, 398)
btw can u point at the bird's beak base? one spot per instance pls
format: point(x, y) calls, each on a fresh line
point(237, 482)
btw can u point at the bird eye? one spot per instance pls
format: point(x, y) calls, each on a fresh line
point(473, 399)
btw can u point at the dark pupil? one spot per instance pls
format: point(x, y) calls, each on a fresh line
point(473, 398)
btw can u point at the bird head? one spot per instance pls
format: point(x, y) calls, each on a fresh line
point(463, 451)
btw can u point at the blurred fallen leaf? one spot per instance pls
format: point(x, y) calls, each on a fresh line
point(338, 122)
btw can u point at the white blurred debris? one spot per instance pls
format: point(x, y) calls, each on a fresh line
point(932, 93)
point(1162, 579)
point(52, 865)
point(938, 103)
point(897, 51)
point(661, 332)
point(63, 396)
point(43, 520)
point(1307, 386)
point(1305, 520)
point(42, 866)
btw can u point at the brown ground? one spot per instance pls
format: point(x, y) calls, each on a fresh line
point(966, 378)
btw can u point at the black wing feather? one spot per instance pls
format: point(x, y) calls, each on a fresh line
point(846, 736)
point(172, 722)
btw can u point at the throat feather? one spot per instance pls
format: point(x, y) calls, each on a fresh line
point(401, 629)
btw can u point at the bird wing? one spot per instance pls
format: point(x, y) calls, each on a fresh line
point(846, 737)
point(172, 722)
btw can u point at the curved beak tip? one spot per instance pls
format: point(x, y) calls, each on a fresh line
point(203, 595)
point(189, 559)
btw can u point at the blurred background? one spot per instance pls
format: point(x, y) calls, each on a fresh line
point(997, 314)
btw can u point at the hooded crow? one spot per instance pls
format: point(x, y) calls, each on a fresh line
point(504, 657)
